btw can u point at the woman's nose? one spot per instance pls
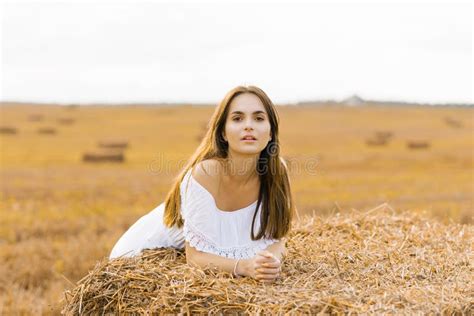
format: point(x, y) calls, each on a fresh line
point(248, 124)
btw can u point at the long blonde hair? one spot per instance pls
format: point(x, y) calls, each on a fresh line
point(275, 193)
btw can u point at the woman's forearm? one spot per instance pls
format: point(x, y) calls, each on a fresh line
point(203, 259)
point(216, 262)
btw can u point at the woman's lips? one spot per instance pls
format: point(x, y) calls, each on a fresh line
point(248, 140)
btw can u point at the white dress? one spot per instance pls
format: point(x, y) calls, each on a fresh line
point(206, 227)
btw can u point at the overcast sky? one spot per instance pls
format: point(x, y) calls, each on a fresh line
point(164, 52)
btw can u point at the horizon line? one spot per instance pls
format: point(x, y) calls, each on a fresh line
point(184, 103)
point(345, 101)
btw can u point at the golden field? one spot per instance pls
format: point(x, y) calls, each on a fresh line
point(59, 215)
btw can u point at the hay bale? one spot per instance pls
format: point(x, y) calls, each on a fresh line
point(66, 121)
point(378, 261)
point(383, 134)
point(376, 141)
point(453, 123)
point(8, 130)
point(379, 138)
point(418, 144)
point(103, 156)
point(35, 117)
point(115, 144)
point(47, 130)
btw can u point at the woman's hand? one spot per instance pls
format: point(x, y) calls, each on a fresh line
point(264, 266)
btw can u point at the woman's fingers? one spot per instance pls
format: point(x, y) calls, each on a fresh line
point(269, 265)
point(262, 262)
point(265, 255)
point(268, 270)
point(274, 264)
point(266, 276)
point(262, 259)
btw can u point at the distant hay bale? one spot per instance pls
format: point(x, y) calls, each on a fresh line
point(35, 117)
point(379, 138)
point(376, 141)
point(372, 262)
point(384, 134)
point(103, 156)
point(8, 130)
point(66, 121)
point(117, 144)
point(47, 130)
point(452, 122)
point(413, 144)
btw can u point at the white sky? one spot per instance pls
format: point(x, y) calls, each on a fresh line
point(169, 52)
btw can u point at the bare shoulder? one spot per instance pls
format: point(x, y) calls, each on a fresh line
point(207, 173)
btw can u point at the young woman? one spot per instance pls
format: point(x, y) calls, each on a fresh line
point(234, 185)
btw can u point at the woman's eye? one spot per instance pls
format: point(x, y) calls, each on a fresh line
point(239, 118)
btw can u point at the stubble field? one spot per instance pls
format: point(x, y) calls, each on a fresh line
point(59, 214)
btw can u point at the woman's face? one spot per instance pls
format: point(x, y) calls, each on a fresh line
point(247, 117)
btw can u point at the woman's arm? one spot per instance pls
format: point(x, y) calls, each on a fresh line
point(245, 267)
point(202, 259)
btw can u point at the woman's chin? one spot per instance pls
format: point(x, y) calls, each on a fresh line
point(247, 151)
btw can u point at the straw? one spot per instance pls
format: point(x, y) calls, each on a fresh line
point(377, 261)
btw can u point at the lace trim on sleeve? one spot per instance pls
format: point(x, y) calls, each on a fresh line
point(202, 243)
